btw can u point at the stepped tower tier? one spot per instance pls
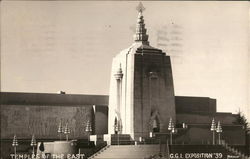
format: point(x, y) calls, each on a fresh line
point(141, 87)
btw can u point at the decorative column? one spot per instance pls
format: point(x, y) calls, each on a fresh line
point(60, 129)
point(174, 131)
point(213, 129)
point(118, 77)
point(219, 131)
point(171, 129)
point(15, 144)
point(67, 132)
point(33, 144)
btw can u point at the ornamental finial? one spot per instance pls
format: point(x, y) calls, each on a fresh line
point(141, 31)
point(140, 8)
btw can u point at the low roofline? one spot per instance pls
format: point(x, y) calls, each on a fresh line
point(21, 98)
point(193, 97)
point(2, 92)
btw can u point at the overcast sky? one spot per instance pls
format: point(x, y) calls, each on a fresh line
point(47, 46)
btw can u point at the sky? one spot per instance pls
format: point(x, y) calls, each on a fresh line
point(48, 46)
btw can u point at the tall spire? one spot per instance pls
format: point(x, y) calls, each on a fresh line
point(141, 31)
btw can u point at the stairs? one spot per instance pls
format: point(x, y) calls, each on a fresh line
point(127, 152)
point(166, 151)
point(121, 139)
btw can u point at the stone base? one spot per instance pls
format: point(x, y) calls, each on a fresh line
point(125, 139)
point(97, 139)
point(112, 139)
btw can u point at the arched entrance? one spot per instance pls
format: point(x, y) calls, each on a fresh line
point(155, 122)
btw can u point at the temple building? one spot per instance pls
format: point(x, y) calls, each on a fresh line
point(141, 102)
point(141, 87)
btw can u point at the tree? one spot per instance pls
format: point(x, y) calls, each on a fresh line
point(241, 119)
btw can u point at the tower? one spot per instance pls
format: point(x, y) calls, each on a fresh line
point(141, 87)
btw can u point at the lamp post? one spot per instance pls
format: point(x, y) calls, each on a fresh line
point(117, 128)
point(67, 132)
point(213, 129)
point(88, 129)
point(150, 134)
point(171, 128)
point(15, 144)
point(219, 130)
point(60, 130)
point(184, 126)
point(174, 131)
point(141, 140)
point(33, 144)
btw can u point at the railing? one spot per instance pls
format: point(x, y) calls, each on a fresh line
point(234, 150)
point(100, 148)
point(163, 149)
